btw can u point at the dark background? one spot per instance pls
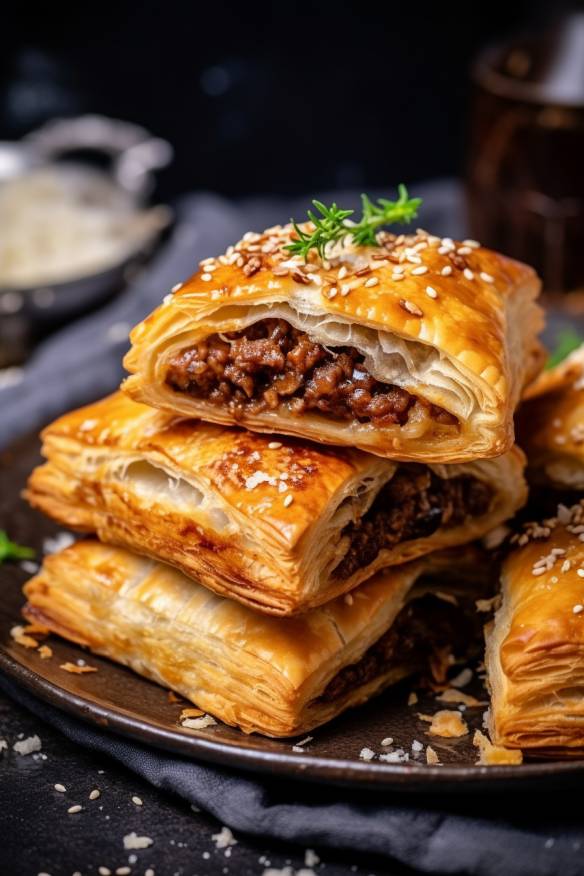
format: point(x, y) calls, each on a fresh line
point(264, 97)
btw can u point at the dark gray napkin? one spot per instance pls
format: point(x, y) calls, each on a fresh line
point(449, 835)
point(481, 836)
point(83, 361)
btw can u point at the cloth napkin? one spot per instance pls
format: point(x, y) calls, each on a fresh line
point(487, 836)
point(537, 834)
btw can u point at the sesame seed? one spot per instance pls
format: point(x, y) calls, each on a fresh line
point(342, 272)
point(446, 270)
point(468, 274)
point(275, 445)
point(137, 801)
point(345, 289)
point(60, 788)
point(398, 269)
point(578, 609)
point(372, 281)
point(580, 573)
point(176, 287)
point(414, 259)
point(566, 566)
point(94, 794)
point(206, 277)
point(474, 244)
point(431, 292)
point(464, 250)
point(72, 810)
point(332, 292)
point(104, 871)
point(410, 307)
point(421, 270)
point(539, 571)
point(288, 500)
point(387, 741)
point(123, 871)
point(486, 277)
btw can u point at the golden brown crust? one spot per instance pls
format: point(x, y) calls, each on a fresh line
point(535, 647)
point(469, 349)
point(550, 425)
point(260, 673)
point(256, 520)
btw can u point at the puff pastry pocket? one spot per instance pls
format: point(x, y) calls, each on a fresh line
point(414, 350)
point(550, 425)
point(535, 646)
point(280, 525)
point(277, 676)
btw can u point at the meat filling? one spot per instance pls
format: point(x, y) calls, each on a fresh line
point(414, 504)
point(422, 627)
point(270, 362)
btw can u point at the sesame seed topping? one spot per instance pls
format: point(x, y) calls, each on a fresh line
point(410, 307)
point(137, 801)
point(578, 609)
point(474, 244)
point(397, 276)
point(288, 500)
point(275, 445)
point(431, 292)
point(206, 277)
point(580, 573)
point(372, 281)
point(468, 274)
point(486, 277)
point(342, 272)
point(93, 795)
point(72, 810)
point(421, 270)
point(345, 289)
point(332, 292)
point(60, 788)
point(176, 287)
point(464, 250)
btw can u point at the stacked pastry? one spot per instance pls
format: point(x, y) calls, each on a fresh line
point(296, 442)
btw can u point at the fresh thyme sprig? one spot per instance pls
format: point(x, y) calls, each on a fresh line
point(9, 550)
point(333, 223)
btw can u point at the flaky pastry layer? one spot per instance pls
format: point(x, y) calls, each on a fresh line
point(550, 425)
point(253, 671)
point(456, 328)
point(535, 646)
point(264, 522)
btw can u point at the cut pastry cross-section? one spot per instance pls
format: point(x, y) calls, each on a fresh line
point(416, 349)
point(281, 525)
point(277, 676)
point(535, 646)
point(550, 425)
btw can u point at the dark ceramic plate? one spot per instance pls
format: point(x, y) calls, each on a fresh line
point(123, 702)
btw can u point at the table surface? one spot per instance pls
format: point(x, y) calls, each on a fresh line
point(39, 836)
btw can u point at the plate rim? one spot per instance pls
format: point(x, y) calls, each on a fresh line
point(371, 776)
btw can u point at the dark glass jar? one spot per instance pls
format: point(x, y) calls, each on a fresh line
point(525, 176)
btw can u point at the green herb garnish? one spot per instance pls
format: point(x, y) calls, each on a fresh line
point(332, 223)
point(9, 550)
point(568, 341)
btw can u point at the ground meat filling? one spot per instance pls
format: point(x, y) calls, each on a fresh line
point(270, 362)
point(421, 627)
point(414, 504)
